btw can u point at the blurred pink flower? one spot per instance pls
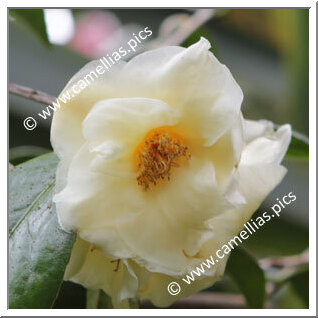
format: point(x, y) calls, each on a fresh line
point(96, 33)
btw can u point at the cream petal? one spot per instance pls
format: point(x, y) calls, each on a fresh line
point(256, 128)
point(127, 118)
point(262, 179)
point(108, 240)
point(99, 272)
point(225, 227)
point(76, 106)
point(111, 222)
point(233, 193)
point(77, 259)
point(267, 149)
point(257, 175)
point(193, 81)
point(192, 196)
point(225, 154)
point(86, 202)
point(258, 171)
point(175, 220)
point(165, 232)
point(115, 127)
point(168, 71)
point(156, 288)
point(66, 140)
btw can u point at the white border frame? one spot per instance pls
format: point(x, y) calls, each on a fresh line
point(312, 161)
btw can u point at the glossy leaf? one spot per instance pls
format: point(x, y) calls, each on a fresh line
point(26, 181)
point(34, 19)
point(281, 238)
point(20, 154)
point(248, 276)
point(293, 291)
point(39, 249)
point(300, 283)
point(299, 147)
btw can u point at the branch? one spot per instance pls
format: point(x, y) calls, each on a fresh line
point(31, 93)
point(192, 23)
point(288, 261)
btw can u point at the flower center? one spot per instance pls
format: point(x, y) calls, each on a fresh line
point(157, 154)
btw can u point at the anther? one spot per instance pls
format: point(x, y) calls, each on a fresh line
point(158, 154)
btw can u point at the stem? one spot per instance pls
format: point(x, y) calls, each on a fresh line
point(31, 93)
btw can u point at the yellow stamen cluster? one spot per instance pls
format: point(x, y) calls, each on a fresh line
point(159, 152)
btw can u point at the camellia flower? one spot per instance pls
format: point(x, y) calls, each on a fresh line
point(158, 169)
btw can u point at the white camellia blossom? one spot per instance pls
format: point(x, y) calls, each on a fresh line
point(158, 169)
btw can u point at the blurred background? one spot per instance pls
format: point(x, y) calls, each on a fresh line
point(267, 53)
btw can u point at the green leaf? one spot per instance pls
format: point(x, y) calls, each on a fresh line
point(299, 147)
point(39, 249)
point(26, 181)
point(300, 283)
point(21, 154)
point(34, 19)
point(293, 291)
point(248, 276)
point(281, 238)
